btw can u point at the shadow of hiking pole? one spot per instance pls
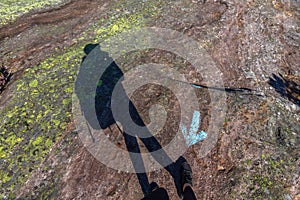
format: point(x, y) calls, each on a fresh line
point(102, 104)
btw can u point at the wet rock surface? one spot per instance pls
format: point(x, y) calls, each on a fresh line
point(255, 44)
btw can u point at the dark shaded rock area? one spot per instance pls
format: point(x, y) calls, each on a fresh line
point(5, 77)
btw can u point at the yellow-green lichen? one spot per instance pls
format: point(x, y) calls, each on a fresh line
point(41, 108)
point(36, 117)
point(11, 9)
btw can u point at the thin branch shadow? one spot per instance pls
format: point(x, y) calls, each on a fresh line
point(286, 88)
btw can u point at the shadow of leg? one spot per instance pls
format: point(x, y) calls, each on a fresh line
point(158, 194)
point(137, 161)
point(151, 143)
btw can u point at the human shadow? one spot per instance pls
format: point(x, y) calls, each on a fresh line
point(286, 88)
point(102, 101)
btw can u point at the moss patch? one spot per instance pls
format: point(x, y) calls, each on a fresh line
point(41, 108)
point(11, 9)
point(36, 117)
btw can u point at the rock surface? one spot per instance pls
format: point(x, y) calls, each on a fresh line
point(255, 44)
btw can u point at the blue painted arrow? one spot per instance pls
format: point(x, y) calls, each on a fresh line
point(192, 137)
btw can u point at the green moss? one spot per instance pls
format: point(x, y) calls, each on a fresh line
point(267, 182)
point(41, 108)
point(119, 25)
point(11, 9)
point(33, 83)
point(37, 141)
point(37, 116)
